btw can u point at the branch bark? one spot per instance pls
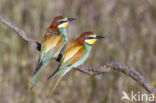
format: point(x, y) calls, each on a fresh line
point(20, 32)
point(108, 67)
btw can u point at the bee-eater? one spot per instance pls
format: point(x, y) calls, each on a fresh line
point(74, 55)
point(53, 41)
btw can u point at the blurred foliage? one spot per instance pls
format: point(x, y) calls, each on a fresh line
point(130, 28)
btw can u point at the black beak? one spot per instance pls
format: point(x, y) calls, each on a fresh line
point(100, 37)
point(71, 19)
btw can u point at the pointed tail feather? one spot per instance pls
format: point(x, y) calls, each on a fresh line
point(38, 67)
point(36, 77)
point(55, 72)
point(55, 83)
point(38, 72)
point(40, 63)
point(58, 71)
point(58, 78)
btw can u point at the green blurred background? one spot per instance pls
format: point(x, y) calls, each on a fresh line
point(130, 27)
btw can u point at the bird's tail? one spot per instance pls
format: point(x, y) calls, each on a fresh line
point(35, 78)
point(57, 80)
point(38, 73)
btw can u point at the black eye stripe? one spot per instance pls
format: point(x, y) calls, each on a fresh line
point(60, 22)
point(90, 37)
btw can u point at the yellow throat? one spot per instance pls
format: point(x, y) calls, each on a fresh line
point(90, 41)
point(63, 25)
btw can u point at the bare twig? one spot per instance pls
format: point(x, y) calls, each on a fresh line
point(20, 32)
point(92, 70)
point(108, 67)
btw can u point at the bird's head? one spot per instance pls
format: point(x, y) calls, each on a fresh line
point(89, 37)
point(61, 22)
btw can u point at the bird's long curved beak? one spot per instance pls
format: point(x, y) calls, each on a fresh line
point(71, 19)
point(99, 37)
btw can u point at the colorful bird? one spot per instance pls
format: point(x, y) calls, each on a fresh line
point(53, 41)
point(74, 55)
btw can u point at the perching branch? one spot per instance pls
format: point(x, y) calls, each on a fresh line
point(20, 32)
point(108, 67)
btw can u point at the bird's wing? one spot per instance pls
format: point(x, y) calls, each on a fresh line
point(49, 41)
point(78, 55)
point(70, 45)
point(67, 65)
point(70, 51)
point(70, 57)
point(60, 46)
